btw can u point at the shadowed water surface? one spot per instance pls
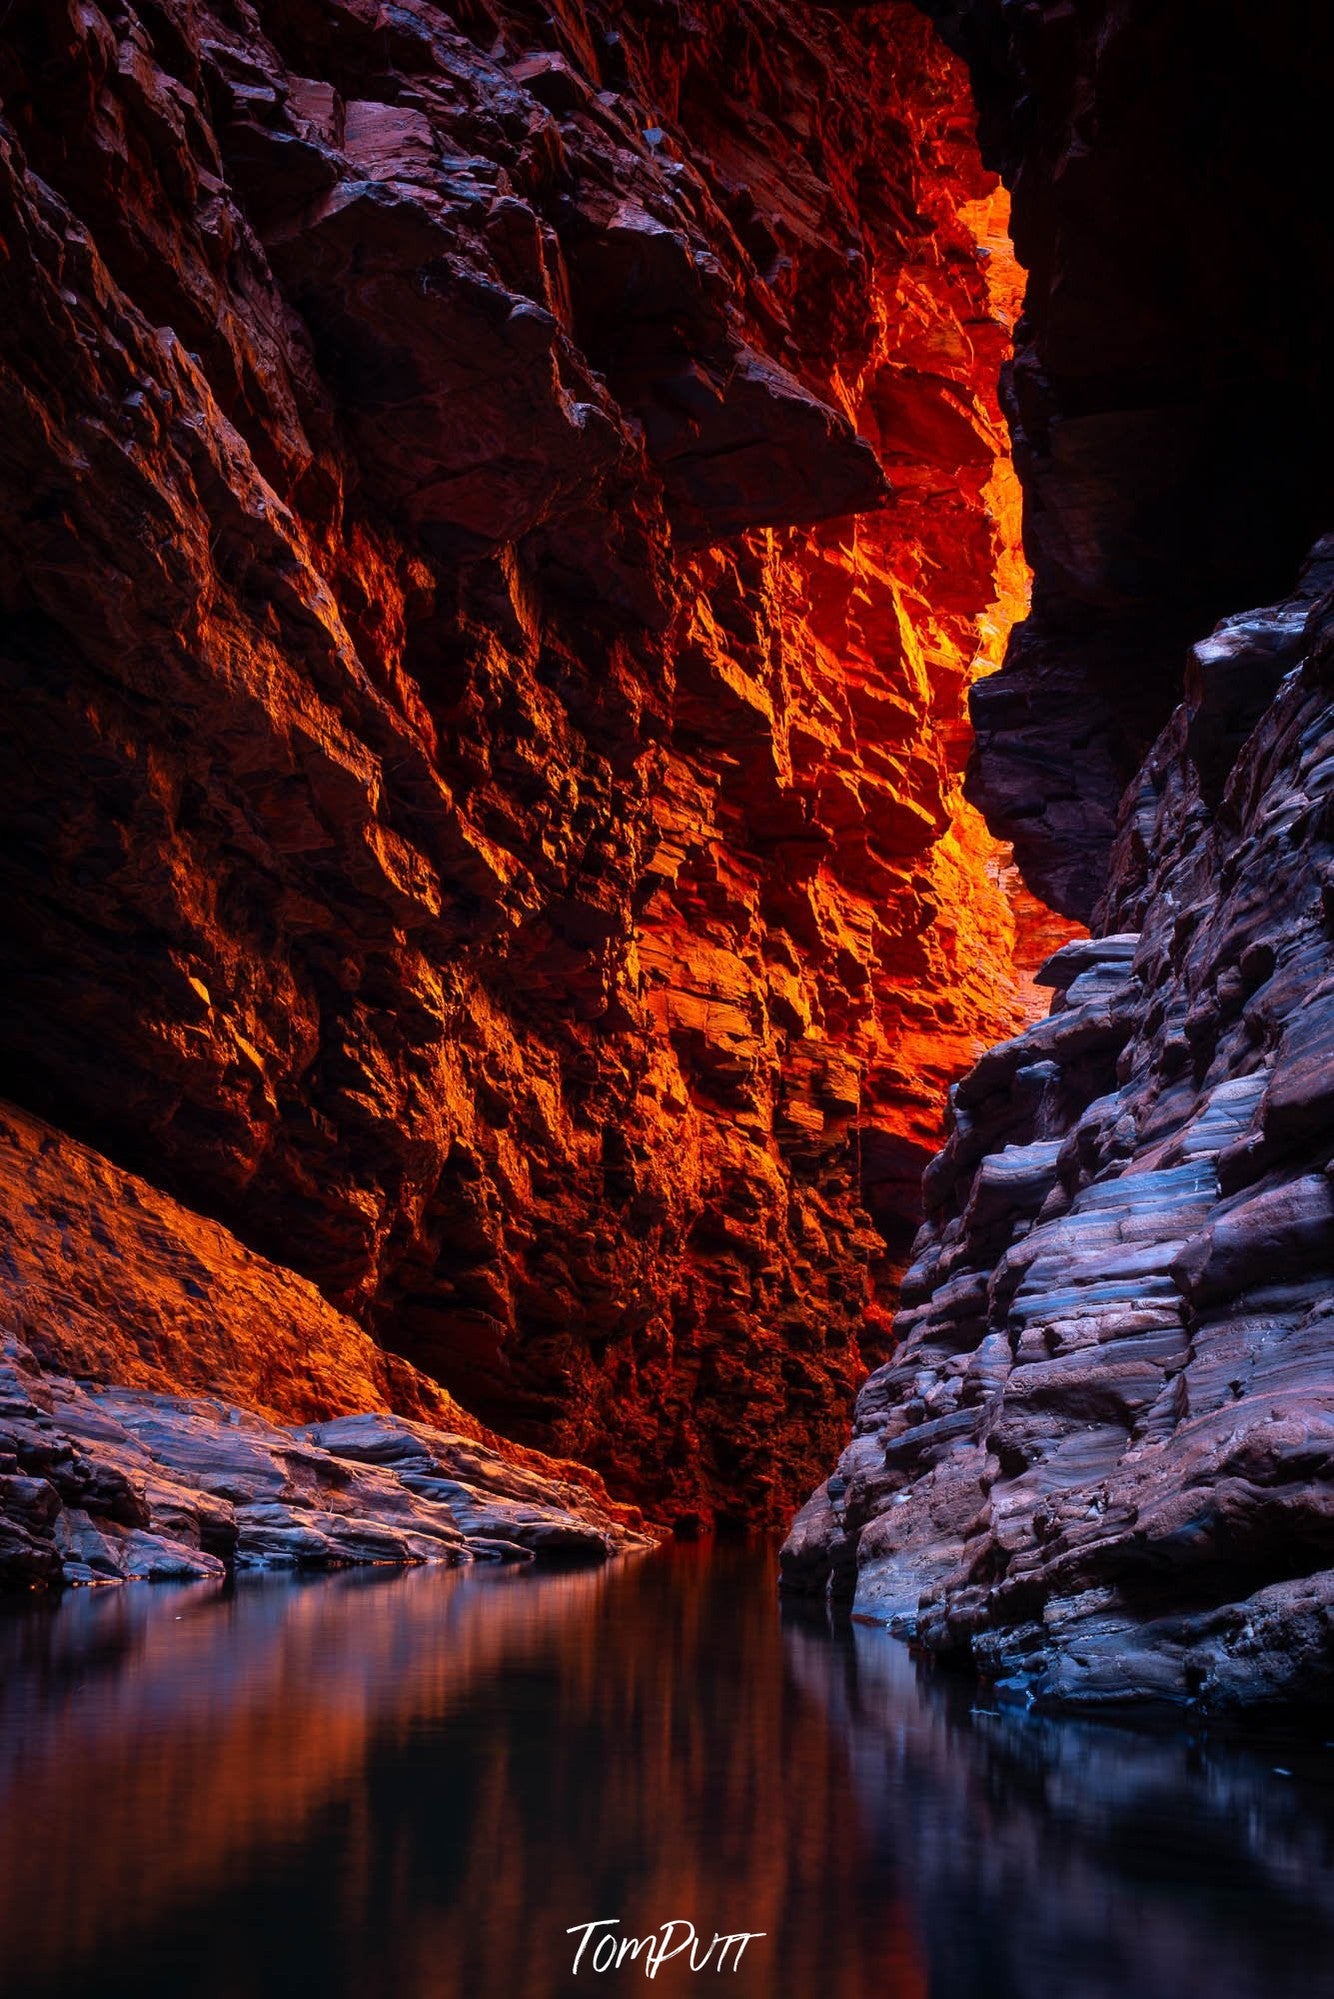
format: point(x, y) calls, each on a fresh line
point(416, 1783)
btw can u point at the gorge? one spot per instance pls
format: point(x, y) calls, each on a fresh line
point(549, 731)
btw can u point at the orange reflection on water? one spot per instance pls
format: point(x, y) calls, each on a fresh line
point(427, 1779)
point(417, 1784)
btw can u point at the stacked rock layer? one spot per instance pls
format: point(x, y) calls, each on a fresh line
point(110, 1485)
point(481, 791)
point(1100, 1466)
point(225, 1416)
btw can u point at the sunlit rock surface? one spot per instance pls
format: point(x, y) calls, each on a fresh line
point(241, 1401)
point(481, 775)
point(1100, 1466)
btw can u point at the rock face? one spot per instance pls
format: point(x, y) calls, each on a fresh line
point(481, 775)
point(1171, 394)
point(107, 1278)
point(1100, 1466)
point(114, 1485)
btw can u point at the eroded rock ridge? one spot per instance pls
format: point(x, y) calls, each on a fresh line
point(107, 1485)
point(1100, 1467)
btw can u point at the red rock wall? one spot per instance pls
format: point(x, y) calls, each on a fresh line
point(482, 793)
point(1097, 1465)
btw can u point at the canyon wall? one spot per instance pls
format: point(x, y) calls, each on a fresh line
point(502, 515)
point(499, 511)
point(1099, 1466)
point(1172, 392)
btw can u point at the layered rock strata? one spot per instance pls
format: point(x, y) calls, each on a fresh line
point(243, 1406)
point(1100, 1466)
point(118, 1485)
point(1172, 387)
point(481, 783)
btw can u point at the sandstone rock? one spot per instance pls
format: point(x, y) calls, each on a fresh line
point(482, 817)
point(1275, 1240)
point(114, 1485)
point(108, 1278)
point(491, 1500)
point(1107, 957)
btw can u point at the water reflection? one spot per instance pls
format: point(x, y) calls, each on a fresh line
point(416, 1783)
point(1082, 1862)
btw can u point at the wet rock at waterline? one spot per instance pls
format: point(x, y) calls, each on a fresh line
point(115, 1485)
point(504, 520)
point(1100, 1466)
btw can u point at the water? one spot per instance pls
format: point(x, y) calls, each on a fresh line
point(416, 1783)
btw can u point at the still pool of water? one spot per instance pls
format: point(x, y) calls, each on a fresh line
point(416, 1784)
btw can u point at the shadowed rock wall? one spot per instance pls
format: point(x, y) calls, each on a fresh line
point(1173, 387)
point(1100, 1466)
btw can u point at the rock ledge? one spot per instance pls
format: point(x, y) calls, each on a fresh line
point(114, 1485)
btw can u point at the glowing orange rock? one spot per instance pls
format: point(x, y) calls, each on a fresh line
point(485, 764)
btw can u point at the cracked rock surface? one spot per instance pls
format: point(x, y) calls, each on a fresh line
point(101, 1485)
point(482, 792)
point(1100, 1466)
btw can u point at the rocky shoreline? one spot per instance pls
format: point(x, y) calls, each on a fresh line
point(1100, 1467)
point(173, 1404)
point(501, 512)
point(108, 1485)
